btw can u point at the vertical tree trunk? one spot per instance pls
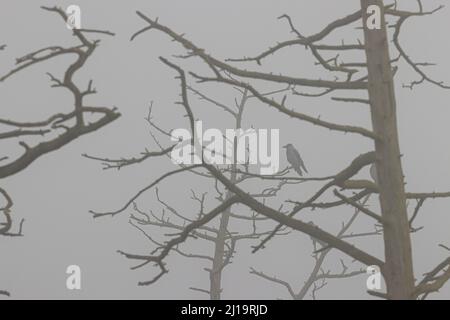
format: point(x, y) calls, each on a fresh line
point(215, 274)
point(398, 269)
point(219, 253)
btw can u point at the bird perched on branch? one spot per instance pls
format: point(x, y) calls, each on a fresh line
point(294, 159)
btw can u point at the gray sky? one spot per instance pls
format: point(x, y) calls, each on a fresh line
point(56, 192)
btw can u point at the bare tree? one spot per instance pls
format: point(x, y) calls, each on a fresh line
point(318, 278)
point(375, 78)
point(222, 237)
point(59, 129)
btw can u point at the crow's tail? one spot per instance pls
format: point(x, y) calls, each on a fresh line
point(298, 170)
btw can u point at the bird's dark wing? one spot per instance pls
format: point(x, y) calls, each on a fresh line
point(299, 159)
point(293, 157)
point(302, 164)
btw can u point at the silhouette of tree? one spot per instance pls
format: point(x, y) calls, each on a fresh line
point(60, 128)
point(375, 79)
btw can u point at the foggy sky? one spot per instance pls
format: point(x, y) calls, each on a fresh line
point(55, 193)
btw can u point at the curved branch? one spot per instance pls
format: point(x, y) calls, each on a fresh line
point(159, 259)
point(295, 224)
point(140, 192)
point(213, 62)
point(294, 114)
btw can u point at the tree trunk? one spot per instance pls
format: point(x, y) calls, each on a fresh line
point(398, 268)
point(215, 274)
point(219, 253)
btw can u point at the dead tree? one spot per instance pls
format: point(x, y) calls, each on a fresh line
point(375, 78)
point(57, 130)
point(318, 278)
point(222, 237)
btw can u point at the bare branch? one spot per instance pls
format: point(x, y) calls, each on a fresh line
point(356, 165)
point(196, 51)
point(140, 192)
point(295, 224)
point(120, 163)
point(158, 259)
point(280, 106)
point(360, 207)
point(432, 282)
point(273, 279)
